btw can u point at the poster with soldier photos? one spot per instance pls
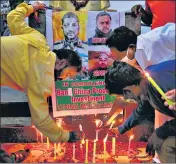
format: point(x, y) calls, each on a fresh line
point(86, 34)
point(85, 93)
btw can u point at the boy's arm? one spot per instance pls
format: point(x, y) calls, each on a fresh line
point(16, 18)
point(37, 98)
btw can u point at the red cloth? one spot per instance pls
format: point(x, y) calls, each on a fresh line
point(163, 11)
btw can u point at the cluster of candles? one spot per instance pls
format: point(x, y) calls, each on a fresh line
point(40, 138)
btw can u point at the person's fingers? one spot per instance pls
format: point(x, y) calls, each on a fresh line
point(172, 107)
point(171, 97)
point(171, 92)
point(165, 103)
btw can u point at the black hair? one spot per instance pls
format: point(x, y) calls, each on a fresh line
point(71, 56)
point(70, 15)
point(120, 75)
point(102, 14)
point(121, 38)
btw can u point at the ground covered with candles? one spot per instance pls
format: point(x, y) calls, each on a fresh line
point(89, 152)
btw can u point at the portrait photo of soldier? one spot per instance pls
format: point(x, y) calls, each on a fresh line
point(98, 64)
point(69, 32)
point(100, 26)
point(70, 25)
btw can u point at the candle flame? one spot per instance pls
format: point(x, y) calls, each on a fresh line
point(83, 141)
point(131, 137)
point(97, 122)
point(59, 124)
point(147, 74)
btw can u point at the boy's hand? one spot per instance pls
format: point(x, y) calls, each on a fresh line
point(136, 10)
point(38, 6)
point(76, 136)
point(114, 131)
point(171, 95)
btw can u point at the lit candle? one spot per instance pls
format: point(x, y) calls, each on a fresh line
point(104, 143)
point(158, 89)
point(55, 150)
point(97, 131)
point(94, 151)
point(74, 149)
point(58, 148)
point(86, 160)
point(97, 135)
point(113, 145)
point(131, 137)
point(41, 135)
point(80, 127)
point(47, 142)
point(109, 129)
point(82, 143)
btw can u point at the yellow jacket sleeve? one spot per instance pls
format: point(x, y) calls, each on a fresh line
point(40, 114)
point(39, 75)
point(16, 20)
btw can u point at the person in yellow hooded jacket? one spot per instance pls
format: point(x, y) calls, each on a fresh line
point(28, 64)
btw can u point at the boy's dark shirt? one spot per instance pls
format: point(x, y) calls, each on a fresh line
point(164, 75)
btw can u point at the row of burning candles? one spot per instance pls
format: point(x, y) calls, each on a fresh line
point(56, 148)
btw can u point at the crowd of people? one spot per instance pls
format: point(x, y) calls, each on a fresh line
point(28, 64)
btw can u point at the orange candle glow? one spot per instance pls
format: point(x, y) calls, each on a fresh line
point(59, 124)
